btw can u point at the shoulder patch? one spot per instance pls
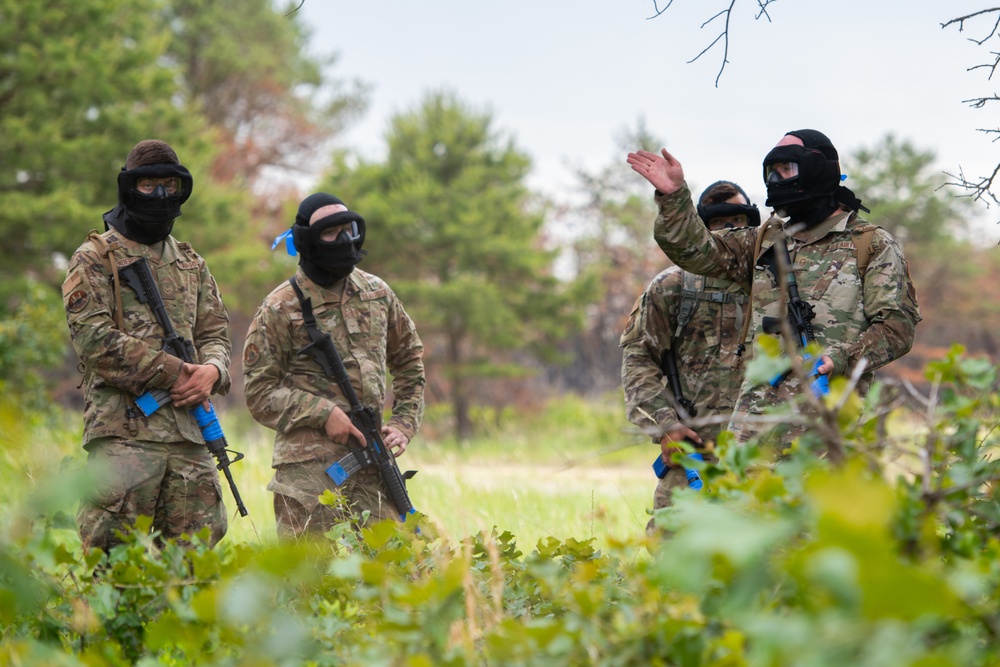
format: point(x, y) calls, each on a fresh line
point(251, 355)
point(71, 283)
point(77, 301)
point(630, 324)
point(631, 332)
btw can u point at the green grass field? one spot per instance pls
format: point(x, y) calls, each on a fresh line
point(574, 469)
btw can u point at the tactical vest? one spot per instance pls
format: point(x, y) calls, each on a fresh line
point(862, 253)
point(693, 291)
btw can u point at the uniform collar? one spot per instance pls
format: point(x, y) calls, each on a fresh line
point(170, 252)
point(835, 223)
point(344, 288)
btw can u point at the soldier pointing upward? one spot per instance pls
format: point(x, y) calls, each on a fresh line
point(853, 273)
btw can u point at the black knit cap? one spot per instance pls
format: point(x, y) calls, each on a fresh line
point(818, 140)
point(313, 203)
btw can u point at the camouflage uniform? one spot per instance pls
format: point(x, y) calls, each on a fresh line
point(292, 395)
point(871, 316)
point(705, 352)
point(157, 466)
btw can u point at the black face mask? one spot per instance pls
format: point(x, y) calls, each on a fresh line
point(815, 176)
point(326, 262)
point(813, 192)
point(724, 210)
point(149, 218)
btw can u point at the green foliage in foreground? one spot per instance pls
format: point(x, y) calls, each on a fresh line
point(33, 339)
point(887, 557)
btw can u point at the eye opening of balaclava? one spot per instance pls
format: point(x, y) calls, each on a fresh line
point(149, 218)
point(723, 209)
point(326, 262)
point(812, 192)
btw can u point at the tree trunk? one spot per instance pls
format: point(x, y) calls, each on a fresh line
point(459, 398)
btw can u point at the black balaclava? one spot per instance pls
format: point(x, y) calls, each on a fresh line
point(722, 209)
point(143, 218)
point(815, 192)
point(326, 262)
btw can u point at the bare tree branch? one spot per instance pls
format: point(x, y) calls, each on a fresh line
point(980, 189)
point(292, 11)
point(962, 19)
point(723, 36)
point(980, 102)
point(657, 11)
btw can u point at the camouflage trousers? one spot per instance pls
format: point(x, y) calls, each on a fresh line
point(298, 512)
point(665, 487)
point(174, 483)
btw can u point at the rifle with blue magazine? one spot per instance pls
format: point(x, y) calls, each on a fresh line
point(140, 279)
point(371, 453)
point(800, 317)
point(669, 367)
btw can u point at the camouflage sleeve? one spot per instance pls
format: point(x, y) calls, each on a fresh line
point(121, 360)
point(211, 332)
point(683, 238)
point(272, 397)
point(890, 305)
point(646, 337)
point(404, 357)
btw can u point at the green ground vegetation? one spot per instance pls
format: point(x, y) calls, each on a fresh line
point(865, 543)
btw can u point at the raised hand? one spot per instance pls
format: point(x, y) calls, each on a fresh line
point(664, 172)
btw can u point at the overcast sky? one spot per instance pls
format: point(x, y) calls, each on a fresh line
point(565, 78)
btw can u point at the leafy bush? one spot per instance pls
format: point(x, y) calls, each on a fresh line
point(883, 554)
point(32, 339)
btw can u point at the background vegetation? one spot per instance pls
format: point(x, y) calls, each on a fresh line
point(533, 486)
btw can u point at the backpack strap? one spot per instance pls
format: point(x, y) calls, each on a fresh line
point(691, 284)
point(106, 251)
point(693, 291)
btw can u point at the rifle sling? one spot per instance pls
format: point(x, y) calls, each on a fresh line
point(308, 318)
point(315, 334)
point(106, 252)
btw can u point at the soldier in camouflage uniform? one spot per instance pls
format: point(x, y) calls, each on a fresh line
point(291, 394)
point(157, 466)
point(696, 319)
point(853, 273)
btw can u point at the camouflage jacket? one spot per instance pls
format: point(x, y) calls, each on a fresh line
point(292, 395)
point(705, 352)
point(122, 364)
point(871, 316)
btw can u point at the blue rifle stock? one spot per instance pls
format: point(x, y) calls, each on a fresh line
point(140, 279)
point(322, 349)
point(800, 317)
point(668, 364)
